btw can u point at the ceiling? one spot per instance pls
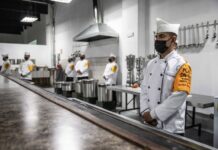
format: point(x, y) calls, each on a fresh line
point(12, 11)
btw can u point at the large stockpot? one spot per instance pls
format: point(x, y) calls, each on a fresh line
point(58, 87)
point(90, 88)
point(67, 86)
point(78, 87)
point(104, 95)
point(58, 84)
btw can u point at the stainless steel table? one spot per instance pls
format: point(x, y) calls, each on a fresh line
point(194, 100)
point(197, 101)
point(128, 90)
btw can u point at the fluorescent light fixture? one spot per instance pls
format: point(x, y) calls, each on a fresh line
point(29, 19)
point(62, 1)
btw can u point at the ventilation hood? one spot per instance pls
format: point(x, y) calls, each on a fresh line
point(97, 31)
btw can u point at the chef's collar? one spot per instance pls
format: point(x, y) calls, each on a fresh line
point(167, 56)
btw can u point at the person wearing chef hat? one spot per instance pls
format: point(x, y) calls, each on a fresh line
point(82, 67)
point(166, 83)
point(70, 69)
point(26, 68)
point(6, 66)
point(110, 72)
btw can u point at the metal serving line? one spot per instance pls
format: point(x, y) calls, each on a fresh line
point(49, 110)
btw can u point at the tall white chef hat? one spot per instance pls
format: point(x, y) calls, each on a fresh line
point(82, 53)
point(4, 55)
point(112, 55)
point(164, 26)
point(27, 53)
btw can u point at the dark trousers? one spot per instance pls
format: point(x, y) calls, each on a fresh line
point(81, 78)
point(69, 79)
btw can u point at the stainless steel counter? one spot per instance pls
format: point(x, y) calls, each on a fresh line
point(196, 100)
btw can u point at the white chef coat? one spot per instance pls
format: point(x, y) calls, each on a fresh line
point(26, 69)
point(6, 67)
point(110, 73)
point(165, 87)
point(83, 66)
point(70, 70)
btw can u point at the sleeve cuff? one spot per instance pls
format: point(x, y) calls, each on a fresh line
point(153, 114)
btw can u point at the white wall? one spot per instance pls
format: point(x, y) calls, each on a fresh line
point(41, 53)
point(203, 60)
point(121, 15)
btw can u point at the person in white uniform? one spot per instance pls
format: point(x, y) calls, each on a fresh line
point(26, 67)
point(70, 69)
point(110, 72)
point(6, 66)
point(166, 83)
point(82, 68)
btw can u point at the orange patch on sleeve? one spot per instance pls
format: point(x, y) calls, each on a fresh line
point(183, 79)
point(114, 69)
point(72, 67)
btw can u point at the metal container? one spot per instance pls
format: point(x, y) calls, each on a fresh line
point(215, 138)
point(58, 85)
point(104, 95)
point(89, 88)
point(78, 87)
point(67, 86)
point(19, 61)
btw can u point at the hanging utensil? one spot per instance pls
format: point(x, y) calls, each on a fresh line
point(184, 37)
point(190, 36)
point(187, 37)
point(201, 35)
point(181, 37)
point(207, 31)
point(197, 35)
point(214, 30)
point(193, 36)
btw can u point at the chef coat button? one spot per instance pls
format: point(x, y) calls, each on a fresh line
point(165, 61)
point(149, 87)
point(159, 89)
point(158, 102)
point(148, 100)
point(161, 74)
point(155, 62)
point(150, 74)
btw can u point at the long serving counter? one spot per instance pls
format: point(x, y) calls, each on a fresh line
point(32, 118)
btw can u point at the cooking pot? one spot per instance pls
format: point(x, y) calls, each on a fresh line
point(89, 88)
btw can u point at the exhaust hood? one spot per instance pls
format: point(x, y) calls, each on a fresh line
point(97, 31)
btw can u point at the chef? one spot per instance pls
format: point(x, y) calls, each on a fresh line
point(82, 67)
point(70, 69)
point(6, 66)
point(166, 83)
point(26, 67)
point(110, 72)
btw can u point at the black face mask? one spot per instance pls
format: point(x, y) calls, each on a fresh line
point(69, 60)
point(110, 60)
point(82, 57)
point(161, 46)
point(5, 58)
point(26, 58)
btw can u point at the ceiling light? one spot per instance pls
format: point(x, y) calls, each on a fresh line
point(29, 19)
point(62, 1)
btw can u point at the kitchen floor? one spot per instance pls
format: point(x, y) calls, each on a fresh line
point(206, 138)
